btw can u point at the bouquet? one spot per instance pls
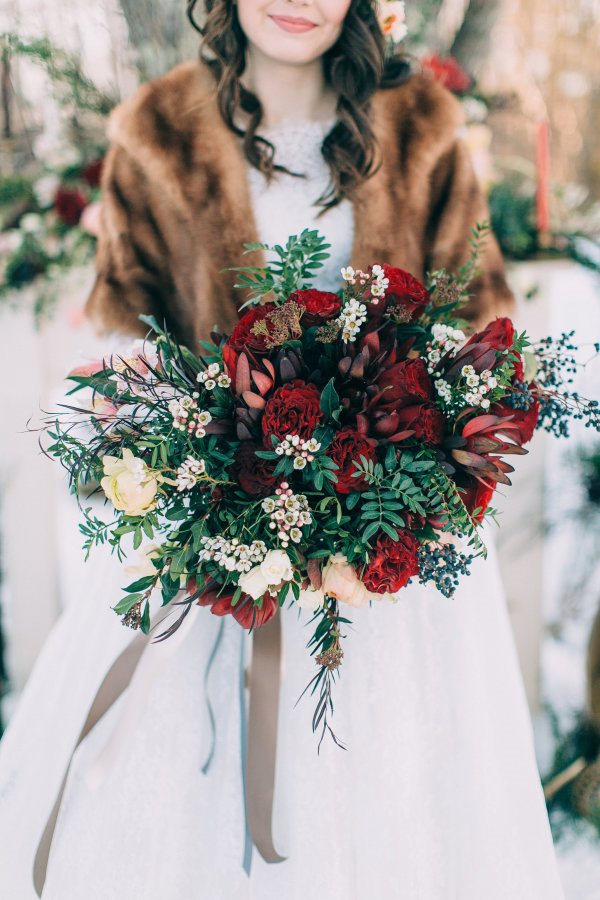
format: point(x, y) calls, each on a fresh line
point(330, 450)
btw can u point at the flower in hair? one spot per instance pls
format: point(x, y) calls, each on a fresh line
point(392, 19)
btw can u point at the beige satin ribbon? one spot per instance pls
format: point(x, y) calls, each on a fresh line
point(113, 684)
point(261, 751)
point(264, 681)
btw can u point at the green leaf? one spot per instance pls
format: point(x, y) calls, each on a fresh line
point(145, 623)
point(352, 500)
point(142, 584)
point(127, 603)
point(330, 401)
point(370, 530)
point(391, 532)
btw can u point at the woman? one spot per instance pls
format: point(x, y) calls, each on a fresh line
point(438, 794)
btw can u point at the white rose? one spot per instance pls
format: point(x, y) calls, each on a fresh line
point(311, 598)
point(253, 583)
point(129, 484)
point(45, 188)
point(143, 566)
point(276, 567)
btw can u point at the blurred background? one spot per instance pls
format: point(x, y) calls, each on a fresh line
point(527, 74)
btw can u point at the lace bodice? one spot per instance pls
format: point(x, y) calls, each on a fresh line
point(286, 205)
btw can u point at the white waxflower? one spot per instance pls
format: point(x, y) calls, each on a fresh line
point(214, 369)
point(204, 417)
point(210, 384)
point(348, 273)
point(472, 380)
point(223, 380)
point(268, 504)
point(300, 462)
point(296, 535)
point(485, 403)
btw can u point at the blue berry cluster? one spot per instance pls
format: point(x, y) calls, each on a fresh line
point(443, 565)
point(521, 396)
point(558, 406)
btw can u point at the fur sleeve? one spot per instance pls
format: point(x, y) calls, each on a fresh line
point(131, 275)
point(457, 204)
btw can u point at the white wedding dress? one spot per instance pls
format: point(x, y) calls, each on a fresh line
point(436, 798)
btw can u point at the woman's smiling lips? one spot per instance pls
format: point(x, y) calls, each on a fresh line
point(293, 23)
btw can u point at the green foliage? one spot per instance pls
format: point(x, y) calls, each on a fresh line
point(71, 86)
point(291, 269)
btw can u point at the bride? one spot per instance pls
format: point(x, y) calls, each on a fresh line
point(295, 119)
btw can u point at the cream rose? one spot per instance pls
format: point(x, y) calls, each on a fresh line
point(311, 598)
point(341, 581)
point(129, 484)
point(143, 566)
point(276, 567)
point(253, 583)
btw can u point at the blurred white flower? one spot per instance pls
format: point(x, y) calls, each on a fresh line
point(45, 188)
point(10, 241)
point(31, 223)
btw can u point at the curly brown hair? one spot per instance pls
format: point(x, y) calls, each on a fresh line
point(355, 67)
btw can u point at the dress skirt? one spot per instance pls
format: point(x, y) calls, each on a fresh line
point(437, 796)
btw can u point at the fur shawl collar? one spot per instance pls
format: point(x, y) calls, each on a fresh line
point(176, 206)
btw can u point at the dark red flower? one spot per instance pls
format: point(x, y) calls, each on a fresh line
point(92, 173)
point(405, 291)
point(426, 420)
point(294, 408)
point(500, 335)
point(403, 384)
point(254, 474)
point(392, 563)
point(447, 71)
point(245, 610)
point(242, 338)
point(347, 448)
point(320, 306)
point(69, 205)
point(477, 495)
point(525, 419)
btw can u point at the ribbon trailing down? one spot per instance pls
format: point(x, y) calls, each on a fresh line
point(138, 666)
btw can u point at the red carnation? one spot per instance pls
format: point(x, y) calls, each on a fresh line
point(403, 384)
point(320, 306)
point(92, 173)
point(254, 474)
point(346, 449)
point(69, 205)
point(405, 291)
point(477, 495)
point(526, 419)
point(427, 422)
point(447, 71)
point(245, 610)
point(294, 408)
point(392, 564)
